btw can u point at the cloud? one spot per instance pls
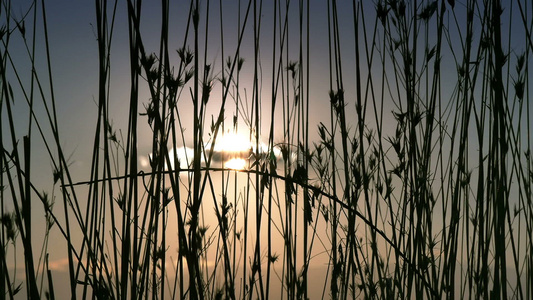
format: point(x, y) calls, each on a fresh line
point(184, 156)
point(58, 264)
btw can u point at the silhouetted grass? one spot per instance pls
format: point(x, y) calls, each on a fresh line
point(416, 184)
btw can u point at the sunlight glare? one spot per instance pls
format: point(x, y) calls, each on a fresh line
point(235, 147)
point(235, 164)
point(232, 142)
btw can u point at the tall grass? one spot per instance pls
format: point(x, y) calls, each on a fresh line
point(416, 184)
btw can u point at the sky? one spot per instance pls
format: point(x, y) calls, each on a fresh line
point(74, 60)
point(74, 53)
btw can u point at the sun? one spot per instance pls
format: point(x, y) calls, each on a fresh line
point(235, 164)
point(233, 142)
point(235, 149)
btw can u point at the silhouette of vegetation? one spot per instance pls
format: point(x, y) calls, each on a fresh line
point(416, 184)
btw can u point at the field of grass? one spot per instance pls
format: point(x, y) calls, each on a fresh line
point(386, 153)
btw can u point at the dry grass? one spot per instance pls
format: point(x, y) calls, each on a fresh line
point(417, 184)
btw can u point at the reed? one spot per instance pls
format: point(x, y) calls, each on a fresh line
point(416, 184)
